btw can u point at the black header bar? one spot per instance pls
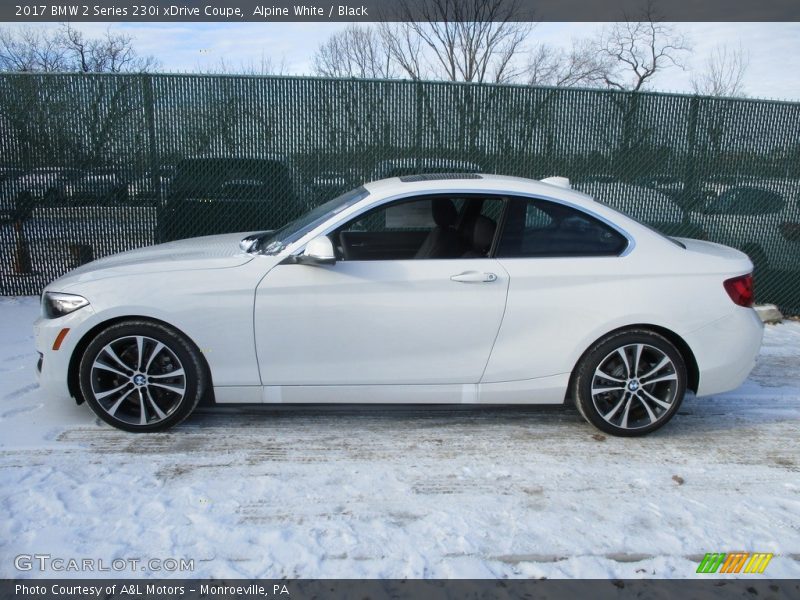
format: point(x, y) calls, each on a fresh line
point(234, 11)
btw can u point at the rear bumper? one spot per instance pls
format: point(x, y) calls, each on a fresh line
point(726, 350)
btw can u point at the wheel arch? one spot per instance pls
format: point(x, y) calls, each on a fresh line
point(74, 361)
point(692, 369)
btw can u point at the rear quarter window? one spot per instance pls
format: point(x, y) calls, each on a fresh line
point(540, 228)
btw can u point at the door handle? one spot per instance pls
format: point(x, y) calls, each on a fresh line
point(474, 277)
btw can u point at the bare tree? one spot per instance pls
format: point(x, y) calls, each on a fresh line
point(263, 66)
point(44, 104)
point(29, 49)
point(33, 49)
point(639, 48)
point(404, 47)
point(356, 51)
point(724, 72)
point(634, 52)
point(723, 76)
point(111, 53)
point(578, 66)
point(458, 40)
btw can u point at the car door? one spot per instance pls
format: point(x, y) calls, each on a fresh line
point(566, 284)
point(380, 320)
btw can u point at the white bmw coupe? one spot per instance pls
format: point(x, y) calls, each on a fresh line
point(439, 289)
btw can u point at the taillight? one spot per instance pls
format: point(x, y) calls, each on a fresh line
point(740, 289)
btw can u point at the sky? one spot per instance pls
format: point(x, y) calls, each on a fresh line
point(773, 48)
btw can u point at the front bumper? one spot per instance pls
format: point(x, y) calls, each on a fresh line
point(53, 365)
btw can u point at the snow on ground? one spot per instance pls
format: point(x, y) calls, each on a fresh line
point(402, 492)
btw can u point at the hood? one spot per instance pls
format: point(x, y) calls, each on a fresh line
point(210, 252)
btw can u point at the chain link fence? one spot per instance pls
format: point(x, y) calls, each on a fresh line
point(91, 165)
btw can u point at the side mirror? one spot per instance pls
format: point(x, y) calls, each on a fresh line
point(319, 251)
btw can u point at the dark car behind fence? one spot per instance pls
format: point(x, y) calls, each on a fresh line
point(96, 164)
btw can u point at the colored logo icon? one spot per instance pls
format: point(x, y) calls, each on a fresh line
point(734, 562)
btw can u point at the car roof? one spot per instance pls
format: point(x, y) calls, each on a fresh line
point(475, 182)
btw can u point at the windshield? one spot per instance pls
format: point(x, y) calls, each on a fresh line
point(273, 242)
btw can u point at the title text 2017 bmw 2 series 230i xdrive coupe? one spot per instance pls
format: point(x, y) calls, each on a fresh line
point(439, 289)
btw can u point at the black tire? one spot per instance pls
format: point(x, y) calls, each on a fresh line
point(157, 392)
point(620, 404)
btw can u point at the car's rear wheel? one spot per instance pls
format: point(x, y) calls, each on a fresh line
point(630, 383)
point(142, 376)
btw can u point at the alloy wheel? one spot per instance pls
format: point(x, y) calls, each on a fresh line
point(138, 380)
point(634, 386)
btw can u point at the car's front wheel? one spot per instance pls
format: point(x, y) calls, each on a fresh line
point(630, 383)
point(142, 376)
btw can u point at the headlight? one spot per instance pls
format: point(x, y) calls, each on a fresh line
point(57, 304)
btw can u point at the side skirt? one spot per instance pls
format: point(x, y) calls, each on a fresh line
point(542, 390)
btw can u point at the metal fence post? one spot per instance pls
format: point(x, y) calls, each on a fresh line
point(152, 146)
